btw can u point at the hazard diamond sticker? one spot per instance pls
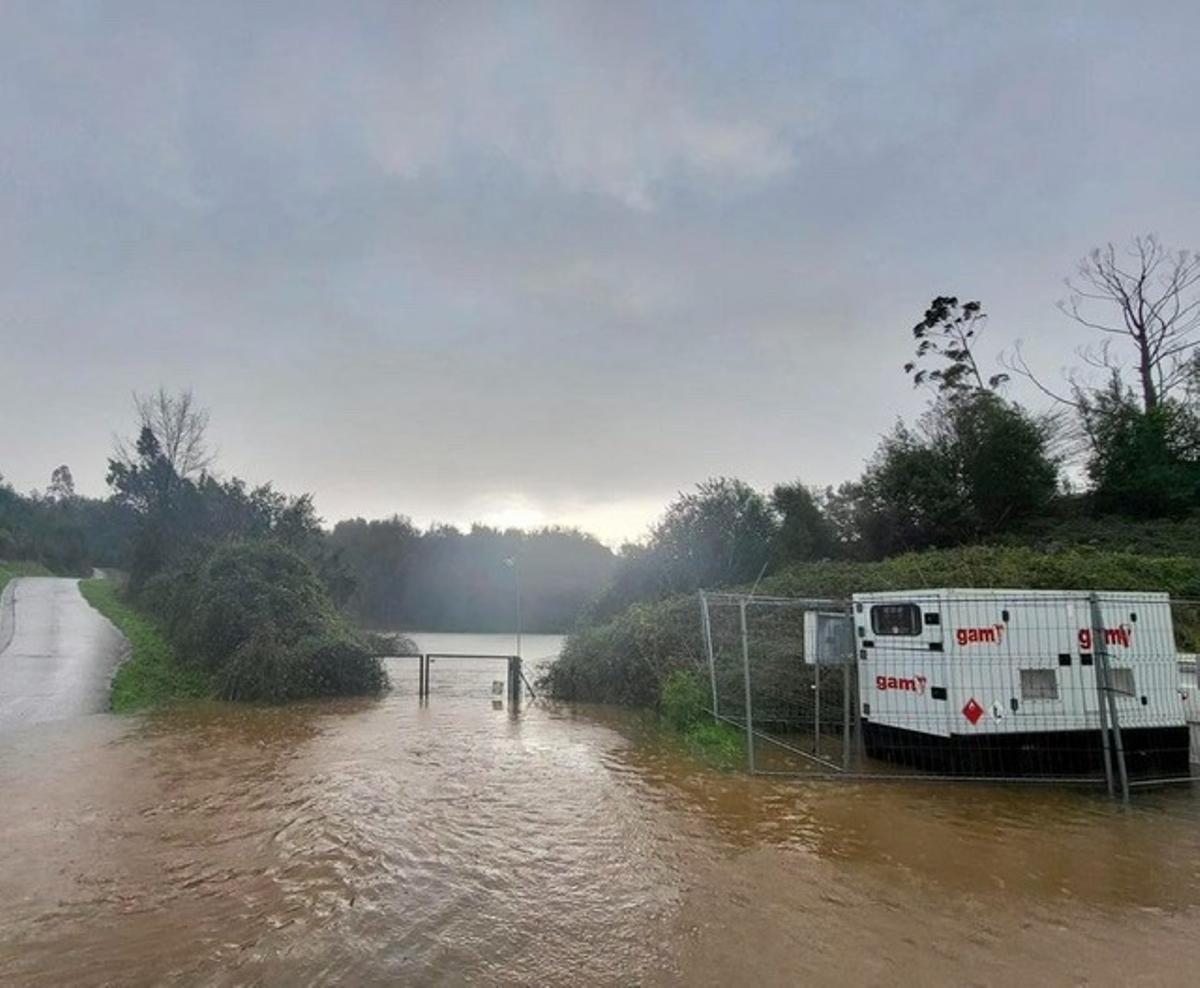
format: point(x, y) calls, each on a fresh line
point(973, 711)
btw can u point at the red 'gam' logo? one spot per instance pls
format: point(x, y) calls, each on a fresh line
point(904, 684)
point(975, 636)
point(1121, 635)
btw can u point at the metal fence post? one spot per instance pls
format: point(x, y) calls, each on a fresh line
point(514, 682)
point(1115, 726)
point(1100, 653)
point(817, 706)
point(746, 677)
point(1109, 720)
point(846, 713)
point(1102, 706)
point(706, 632)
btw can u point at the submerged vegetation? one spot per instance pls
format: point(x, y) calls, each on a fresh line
point(684, 706)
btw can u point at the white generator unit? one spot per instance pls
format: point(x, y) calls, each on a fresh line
point(1006, 680)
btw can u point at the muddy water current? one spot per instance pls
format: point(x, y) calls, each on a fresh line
point(381, 842)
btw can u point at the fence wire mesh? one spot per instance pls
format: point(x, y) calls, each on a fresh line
point(960, 684)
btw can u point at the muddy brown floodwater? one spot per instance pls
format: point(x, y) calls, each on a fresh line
point(381, 842)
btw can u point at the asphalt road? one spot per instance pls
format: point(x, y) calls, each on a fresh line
point(56, 653)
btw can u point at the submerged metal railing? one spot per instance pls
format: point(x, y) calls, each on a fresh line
point(514, 673)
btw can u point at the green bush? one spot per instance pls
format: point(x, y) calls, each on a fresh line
point(719, 744)
point(624, 660)
point(341, 665)
point(262, 668)
point(685, 701)
point(1075, 528)
point(255, 617)
point(243, 588)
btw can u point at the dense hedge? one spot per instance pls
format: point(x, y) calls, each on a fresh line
point(627, 659)
point(255, 618)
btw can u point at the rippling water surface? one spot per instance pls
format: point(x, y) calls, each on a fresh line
point(384, 842)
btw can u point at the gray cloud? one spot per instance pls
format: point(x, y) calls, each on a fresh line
point(537, 262)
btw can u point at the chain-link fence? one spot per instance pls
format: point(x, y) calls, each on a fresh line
point(993, 685)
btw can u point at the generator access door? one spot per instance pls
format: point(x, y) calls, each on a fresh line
point(1037, 656)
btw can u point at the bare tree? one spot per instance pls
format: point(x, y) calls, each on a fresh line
point(1149, 295)
point(180, 426)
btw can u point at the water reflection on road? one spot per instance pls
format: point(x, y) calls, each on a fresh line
point(377, 842)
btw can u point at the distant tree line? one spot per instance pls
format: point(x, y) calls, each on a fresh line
point(397, 576)
point(60, 529)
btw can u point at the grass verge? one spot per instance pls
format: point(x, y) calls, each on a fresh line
point(683, 705)
point(152, 674)
point(719, 745)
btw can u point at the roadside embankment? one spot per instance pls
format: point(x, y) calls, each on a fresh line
point(151, 674)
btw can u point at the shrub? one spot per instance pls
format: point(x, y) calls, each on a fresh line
point(245, 587)
point(719, 744)
point(340, 665)
point(262, 668)
point(624, 660)
point(685, 700)
point(255, 616)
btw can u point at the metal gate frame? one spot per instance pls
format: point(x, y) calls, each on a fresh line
point(849, 676)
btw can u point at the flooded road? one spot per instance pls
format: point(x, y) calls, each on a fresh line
point(383, 842)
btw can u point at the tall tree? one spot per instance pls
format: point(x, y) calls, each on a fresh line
point(180, 427)
point(974, 466)
point(948, 333)
point(804, 530)
point(149, 488)
point(1141, 463)
point(62, 485)
point(720, 533)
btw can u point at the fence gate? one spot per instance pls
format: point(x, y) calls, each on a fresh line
point(782, 670)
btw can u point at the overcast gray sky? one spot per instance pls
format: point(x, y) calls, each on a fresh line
point(538, 263)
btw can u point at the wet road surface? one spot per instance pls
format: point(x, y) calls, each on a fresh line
point(56, 653)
